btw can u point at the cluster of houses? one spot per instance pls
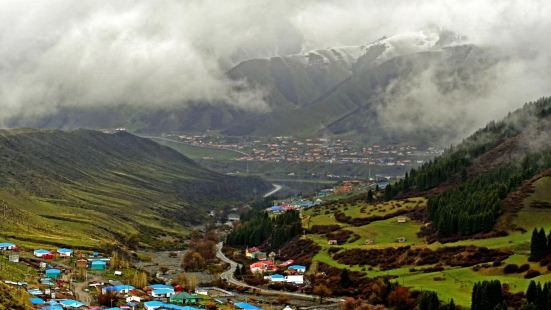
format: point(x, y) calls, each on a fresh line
point(92, 262)
point(52, 290)
point(293, 204)
point(266, 264)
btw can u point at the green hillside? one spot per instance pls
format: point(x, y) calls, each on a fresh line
point(465, 217)
point(83, 188)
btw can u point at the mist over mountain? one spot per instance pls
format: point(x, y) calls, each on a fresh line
point(305, 68)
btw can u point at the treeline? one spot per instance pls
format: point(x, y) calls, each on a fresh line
point(487, 295)
point(540, 244)
point(491, 295)
point(538, 297)
point(258, 228)
point(475, 205)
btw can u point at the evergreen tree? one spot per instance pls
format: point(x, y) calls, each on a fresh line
point(345, 279)
point(487, 295)
point(451, 305)
point(533, 292)
point(429, 301)
point(370, 196)
point(538, 244)
point(388, 192)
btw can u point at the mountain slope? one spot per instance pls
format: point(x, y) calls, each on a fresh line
point(385, 90)
point(485, 178)
point(83, 187)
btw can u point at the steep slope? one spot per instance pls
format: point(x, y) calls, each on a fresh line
point(379, 102)
point(485, 178)
point(84, 187)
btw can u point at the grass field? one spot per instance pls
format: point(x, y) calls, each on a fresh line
point(453, 282)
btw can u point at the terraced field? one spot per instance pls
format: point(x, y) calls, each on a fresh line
point(450, 282)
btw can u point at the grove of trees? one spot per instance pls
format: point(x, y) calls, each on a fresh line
point(260, 228)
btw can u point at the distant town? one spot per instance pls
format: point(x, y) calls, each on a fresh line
point(318, 150)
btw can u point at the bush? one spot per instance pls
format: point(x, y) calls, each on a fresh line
point(531, 274)
point(523, 268)
point(510, 268)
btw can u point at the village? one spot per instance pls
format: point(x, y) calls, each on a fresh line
point(68, 279)
point(321, 150)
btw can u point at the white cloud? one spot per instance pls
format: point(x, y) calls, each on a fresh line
point(60, 53)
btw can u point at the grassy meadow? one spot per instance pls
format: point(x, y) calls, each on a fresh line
point(452, 282)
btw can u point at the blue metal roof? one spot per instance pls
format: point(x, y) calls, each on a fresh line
point(37, 301)
point(160, 286)
point(6, 244)
point(246, 306)
point(297, 267)
point(98, 262)
point(53, 271)
point(65, 251)
point(278, 276)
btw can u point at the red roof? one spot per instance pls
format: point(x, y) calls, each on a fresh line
point(263, 265)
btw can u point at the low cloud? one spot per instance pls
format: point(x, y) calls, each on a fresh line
point(64, 53)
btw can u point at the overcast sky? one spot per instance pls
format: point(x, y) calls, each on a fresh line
point(164, 52)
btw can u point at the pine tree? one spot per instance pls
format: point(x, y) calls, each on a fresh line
point(370, 196)
point(345, 279)
point(451, 305)
point(532, 293)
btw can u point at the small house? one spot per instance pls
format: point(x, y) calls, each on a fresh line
point(276, 278)
point(402, 220)
point(161, 290)
point(297, 268)
point(98, 265)
point(184, 298)
point(332, 242)
point(7, 246)
point(369, 241)
point(119, 289)
point(41, 253)
point(162, 293)
point(262, 267)
point(65, 252)
point(401, 240)
point(52, 273)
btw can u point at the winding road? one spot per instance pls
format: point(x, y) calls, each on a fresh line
point(228, 276)
point(276, 189)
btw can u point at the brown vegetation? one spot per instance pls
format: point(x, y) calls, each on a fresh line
point(301, 250)
point(391, 258)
